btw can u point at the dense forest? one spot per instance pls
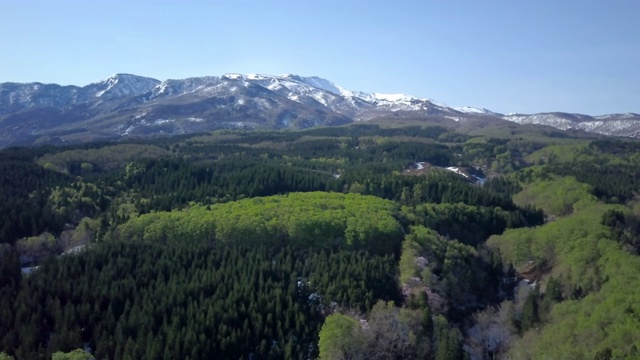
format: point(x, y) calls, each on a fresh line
point(357, 242)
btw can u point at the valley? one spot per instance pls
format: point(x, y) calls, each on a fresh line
point(412, 240)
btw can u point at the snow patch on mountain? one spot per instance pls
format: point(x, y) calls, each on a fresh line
point(252, 100)
point(323, 84)
point(393, 97)
point(122, 85)
point(128, 130)
point(472, 110)
point(233, 76)
point(627, 116)
point(542, 119)
point(612, 124)
point(620, 127)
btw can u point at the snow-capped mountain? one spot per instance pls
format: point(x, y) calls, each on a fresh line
point(120, 86)
point(611, 124)
point(474, 110)
point(17, 97)
point(126, 104)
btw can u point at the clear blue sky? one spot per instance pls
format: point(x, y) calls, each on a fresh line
point(508, 56)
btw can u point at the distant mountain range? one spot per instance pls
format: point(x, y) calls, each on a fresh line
point(127, 105)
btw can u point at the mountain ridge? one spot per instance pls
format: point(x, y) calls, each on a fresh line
point(128, 104)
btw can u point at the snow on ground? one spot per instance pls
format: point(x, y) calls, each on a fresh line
point(294, 97)
point(544, 119)
point(456, 170)
point(259, 77)
point(321, 98)
point(285, 83)
point(471, 110)
point(323, 84)
point(618, 116)
point(233, 76)
point(262, 103)
point(129, 130)
point(393, 97)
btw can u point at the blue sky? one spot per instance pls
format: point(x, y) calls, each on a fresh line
point(507, 56)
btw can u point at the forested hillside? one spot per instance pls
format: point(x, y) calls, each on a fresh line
point(359, 242)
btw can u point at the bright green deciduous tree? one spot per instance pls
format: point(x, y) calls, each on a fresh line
point(77, 354)
point(340, 338)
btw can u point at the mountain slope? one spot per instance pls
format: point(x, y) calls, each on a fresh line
point(17, 97)
point(127, 104)
point(612, 124)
